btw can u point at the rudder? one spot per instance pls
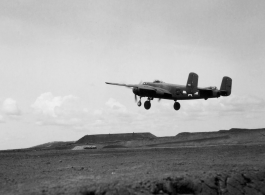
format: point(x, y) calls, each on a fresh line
point(226, 86)
point(192, 83)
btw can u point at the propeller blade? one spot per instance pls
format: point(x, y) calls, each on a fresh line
point(135, 98)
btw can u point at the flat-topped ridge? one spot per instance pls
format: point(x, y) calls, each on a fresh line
point(235, 135)
point(103, 138)
point(232, 130)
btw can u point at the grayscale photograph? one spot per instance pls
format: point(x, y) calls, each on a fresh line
point(132, 97)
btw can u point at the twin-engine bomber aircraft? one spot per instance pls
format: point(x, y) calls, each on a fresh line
point(161, 90)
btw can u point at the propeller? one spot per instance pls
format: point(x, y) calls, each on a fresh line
point(130, 86)
point(135, 98)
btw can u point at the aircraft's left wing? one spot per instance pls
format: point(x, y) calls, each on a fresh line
point(144, 88)
point(125, 85)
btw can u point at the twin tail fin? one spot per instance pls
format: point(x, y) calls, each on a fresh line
point(226, 86)
point(192, 83)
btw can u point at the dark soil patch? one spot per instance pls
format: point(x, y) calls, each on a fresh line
point(114, 146)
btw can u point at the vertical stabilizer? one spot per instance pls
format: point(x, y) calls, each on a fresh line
point(226, 86)
point(192, 83)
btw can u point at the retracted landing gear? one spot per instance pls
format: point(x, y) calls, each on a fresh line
point(176, 106)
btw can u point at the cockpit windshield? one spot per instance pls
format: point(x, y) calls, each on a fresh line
point(158, 81)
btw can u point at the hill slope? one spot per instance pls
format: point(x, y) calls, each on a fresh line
point(54, 145)
point(233, 136)
point(222, 137)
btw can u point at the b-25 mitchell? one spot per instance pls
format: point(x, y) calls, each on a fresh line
point(161, 90)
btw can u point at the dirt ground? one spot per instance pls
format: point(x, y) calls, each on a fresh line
point(234, 169)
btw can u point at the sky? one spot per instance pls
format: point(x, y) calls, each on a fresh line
point(56, 55)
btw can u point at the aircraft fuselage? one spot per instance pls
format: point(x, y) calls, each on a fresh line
point(190, 91)
point(178, 92)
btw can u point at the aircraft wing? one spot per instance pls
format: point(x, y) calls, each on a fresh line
point(125, 85)
point(140, 86)
point(157, 90)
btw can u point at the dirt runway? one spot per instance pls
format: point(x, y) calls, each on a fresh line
point(235, 169)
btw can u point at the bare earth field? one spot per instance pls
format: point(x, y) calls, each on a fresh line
point(232, 169)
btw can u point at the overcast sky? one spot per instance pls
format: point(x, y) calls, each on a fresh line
point(56, 55)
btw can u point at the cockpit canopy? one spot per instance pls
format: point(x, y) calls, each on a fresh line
point(158, 81)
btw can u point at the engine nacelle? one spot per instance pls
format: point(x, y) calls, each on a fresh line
point(143, 92)
point(136, 91)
